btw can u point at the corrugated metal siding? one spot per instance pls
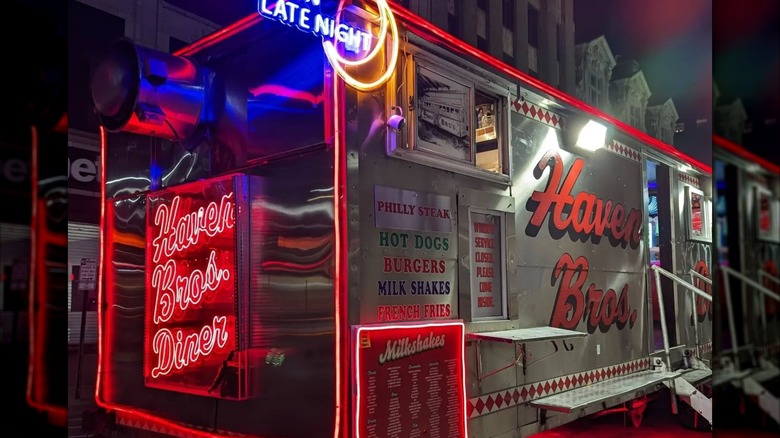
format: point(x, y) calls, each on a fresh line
point(82, 243)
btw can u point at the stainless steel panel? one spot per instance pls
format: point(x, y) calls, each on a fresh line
point(431, 245)
point(599, 286)
point(290, 298)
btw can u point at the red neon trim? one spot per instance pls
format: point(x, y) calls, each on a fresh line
point(130, 412)
point(220, 35)
point(340, 287)
point(741, 152)
point(39, 235)
point(424, 27)
point(462, 349)
point(101, 266)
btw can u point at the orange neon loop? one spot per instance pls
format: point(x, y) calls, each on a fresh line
point(337, 61)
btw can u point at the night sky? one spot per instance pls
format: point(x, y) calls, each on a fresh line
point(746, 44)
point(672, 41)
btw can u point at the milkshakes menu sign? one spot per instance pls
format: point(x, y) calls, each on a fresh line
point(191, 337)
point(409, 381)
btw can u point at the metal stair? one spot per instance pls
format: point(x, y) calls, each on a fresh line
point(693, 397)
point(768, 402)
point(696, 372)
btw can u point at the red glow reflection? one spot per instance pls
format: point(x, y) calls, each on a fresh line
point(290, 93)
point(38, 384)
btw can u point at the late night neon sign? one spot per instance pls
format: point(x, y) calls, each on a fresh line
point(191, 284)
point(299, 14)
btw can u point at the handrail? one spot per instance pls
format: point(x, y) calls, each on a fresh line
point(701, 277)
point(758, 286)
point(683, 283)
point(664, 330)
point(727, 290)
point(763, 274)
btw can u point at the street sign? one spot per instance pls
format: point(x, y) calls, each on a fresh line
point(88, 274)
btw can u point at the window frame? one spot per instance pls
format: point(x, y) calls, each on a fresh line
point(706, 215)
point(405, 144)
point(474, 280)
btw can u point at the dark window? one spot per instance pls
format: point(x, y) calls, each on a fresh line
point(482, 4)
point(559, 46)
point(508, 15)
point(453, 26)
point(404, 3)
point(482, 44)
point(509, 59)
point(533, 26)
point(175, 44)
point(90, 31)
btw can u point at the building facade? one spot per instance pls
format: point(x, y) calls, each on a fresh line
point(661, 121)
point(535, 36)
point(593, 72)
point(731, 120)
point(629, 93)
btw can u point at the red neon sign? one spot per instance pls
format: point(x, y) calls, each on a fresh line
point(410, 380)
point(191, 341)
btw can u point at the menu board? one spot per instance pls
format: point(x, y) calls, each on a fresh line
point(410, 269)
point(410, 381)
point(487, 287)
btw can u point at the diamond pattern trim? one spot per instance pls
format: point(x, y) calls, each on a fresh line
point(537, 113)
point(624, 151)
point(689, 179)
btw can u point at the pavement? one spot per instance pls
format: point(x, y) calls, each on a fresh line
point(17, 418)
point(658, 421)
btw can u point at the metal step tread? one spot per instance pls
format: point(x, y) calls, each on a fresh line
point(696, 375)
point(725, 376)
point(579, 398)
point(766, 374)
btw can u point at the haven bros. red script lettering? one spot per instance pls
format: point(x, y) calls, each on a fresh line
point(585, 217)
point(191, 285)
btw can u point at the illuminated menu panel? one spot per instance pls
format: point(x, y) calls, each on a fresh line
point(409, 380)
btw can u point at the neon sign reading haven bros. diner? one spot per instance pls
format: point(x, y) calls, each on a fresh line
point(299, 14)
point(191, 284)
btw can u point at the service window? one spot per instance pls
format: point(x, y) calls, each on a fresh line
point(488, 152)
point(698, 215)
point(457, 121)
point(488, 282)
